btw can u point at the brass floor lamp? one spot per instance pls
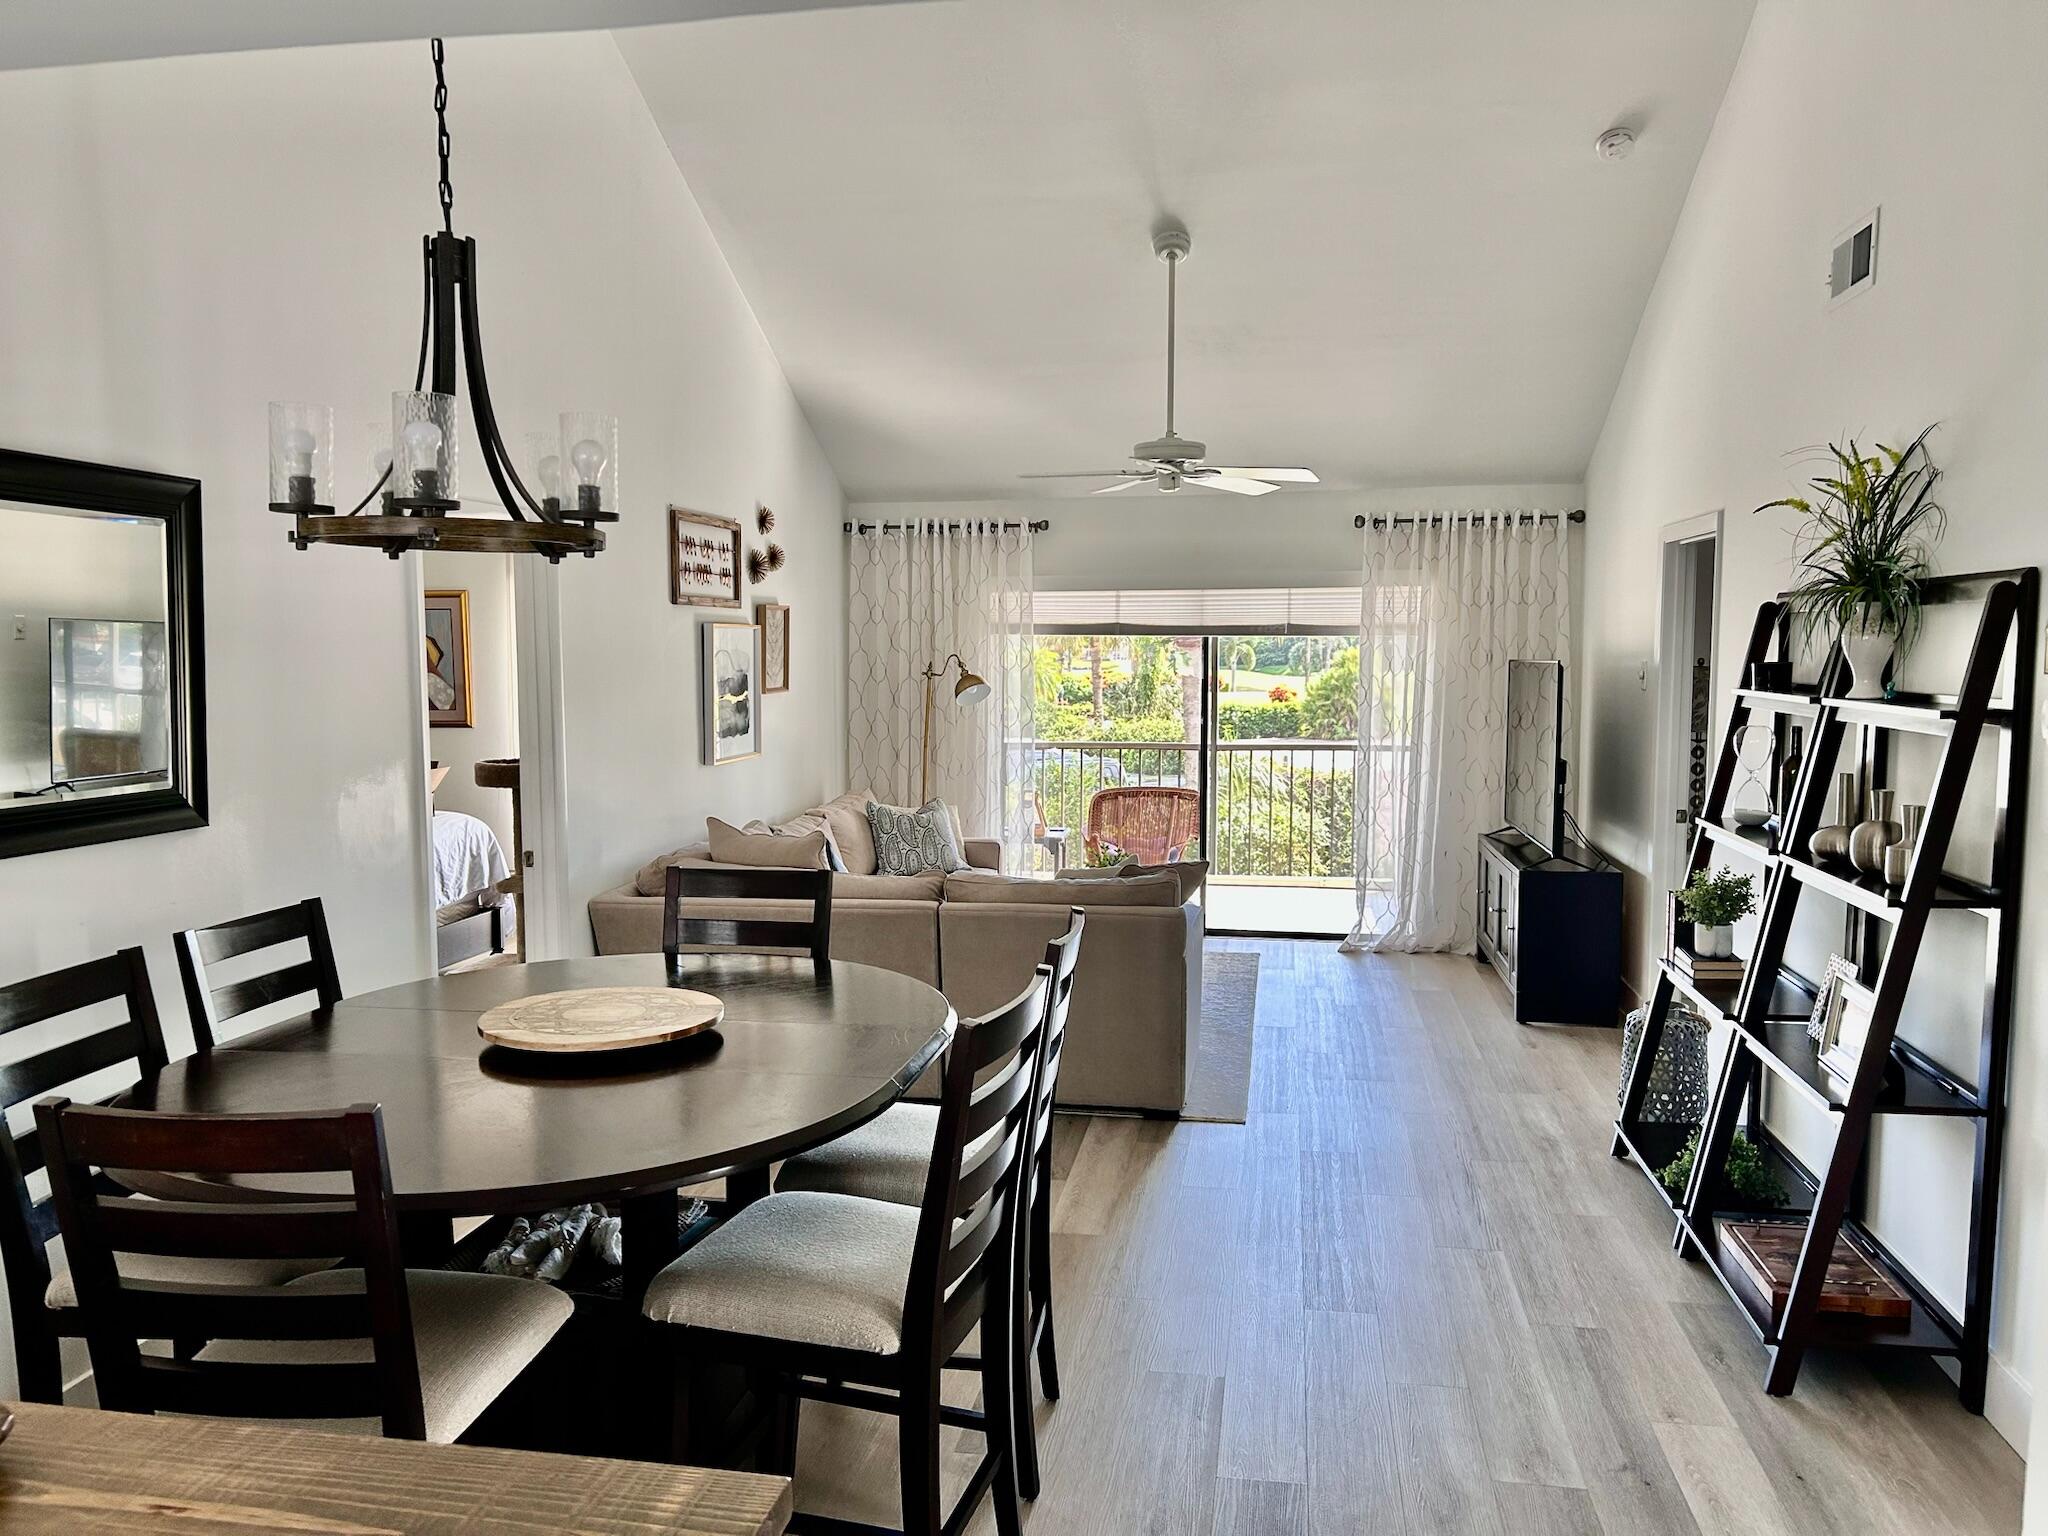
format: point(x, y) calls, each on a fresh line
point(970, 689)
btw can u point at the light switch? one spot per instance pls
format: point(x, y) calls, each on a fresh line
point(21, 626)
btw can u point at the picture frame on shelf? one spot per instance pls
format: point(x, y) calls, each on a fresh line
point(1847, 1030)
point(450, 694)
point(704, 563)
point(731, 692)
point(774, 621)
point(1838, 972)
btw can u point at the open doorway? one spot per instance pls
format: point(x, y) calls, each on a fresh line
point(1687, 609)
point(471, 698)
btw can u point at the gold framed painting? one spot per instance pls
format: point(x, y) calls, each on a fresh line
point(450, 698)
point(774, 621)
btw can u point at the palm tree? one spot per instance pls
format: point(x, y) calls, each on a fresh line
point(1239, 653)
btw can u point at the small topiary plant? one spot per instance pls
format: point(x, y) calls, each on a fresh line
point(1748, 1175)
point(1714, 898)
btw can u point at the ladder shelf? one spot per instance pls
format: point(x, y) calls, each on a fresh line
point(1765, 1012)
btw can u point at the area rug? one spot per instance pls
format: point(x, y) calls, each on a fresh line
point(1220, 1087)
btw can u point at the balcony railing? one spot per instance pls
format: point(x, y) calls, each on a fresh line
point(1279, 808)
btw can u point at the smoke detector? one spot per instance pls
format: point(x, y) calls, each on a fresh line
point(1614, 144)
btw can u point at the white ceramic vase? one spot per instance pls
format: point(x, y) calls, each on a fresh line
point(1868, 645)
point(1714, 943)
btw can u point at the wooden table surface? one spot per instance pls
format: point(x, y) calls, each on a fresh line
point(804, 1054)
point(78, 1470)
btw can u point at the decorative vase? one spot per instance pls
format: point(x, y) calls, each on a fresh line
point(1867, 645)
point(1875, 833)
point(1713, 943)
point(1832, 842)
point(1899, 856)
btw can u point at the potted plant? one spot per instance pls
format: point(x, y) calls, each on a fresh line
point(1864, 550)
point(1750, 1184)
point(1712, 901)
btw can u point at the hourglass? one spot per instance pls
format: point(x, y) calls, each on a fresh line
point(1749, 797)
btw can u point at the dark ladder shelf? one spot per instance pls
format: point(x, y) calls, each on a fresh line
point(1768, 1007)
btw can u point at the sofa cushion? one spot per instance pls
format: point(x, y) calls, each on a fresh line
point(847, 817)
point(1138, 891)
point(653, 877)
point(767, 847)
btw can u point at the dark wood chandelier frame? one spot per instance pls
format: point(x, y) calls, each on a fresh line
point(448, 327)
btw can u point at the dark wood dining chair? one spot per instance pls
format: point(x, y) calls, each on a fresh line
point(40, 1302)
point(422, 1353)
point(863, 1302)
point(198, 948)
point(890, 1157)
point(685, 930)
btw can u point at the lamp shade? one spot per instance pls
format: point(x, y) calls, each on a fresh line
point(971, 689)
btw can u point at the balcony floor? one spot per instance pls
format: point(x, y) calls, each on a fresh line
point(1248, 905)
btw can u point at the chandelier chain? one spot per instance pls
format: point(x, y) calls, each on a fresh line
point(441, 130)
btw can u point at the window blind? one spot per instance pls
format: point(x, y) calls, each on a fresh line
point(1199, 611)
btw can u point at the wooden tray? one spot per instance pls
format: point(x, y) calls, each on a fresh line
point(600, 1019)
point(1767, 1253)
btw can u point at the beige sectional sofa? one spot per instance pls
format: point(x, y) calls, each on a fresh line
point(976, 935)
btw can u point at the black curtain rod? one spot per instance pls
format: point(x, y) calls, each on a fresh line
point(1038, 527)
point(1576, 515)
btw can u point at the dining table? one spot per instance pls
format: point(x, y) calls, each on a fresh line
point(804, 1053)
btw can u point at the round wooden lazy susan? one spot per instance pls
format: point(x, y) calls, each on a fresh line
point(600, 1019)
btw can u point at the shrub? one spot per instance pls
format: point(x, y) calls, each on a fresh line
point(1280, 693)
point(1330, 711)
point(1246, 722)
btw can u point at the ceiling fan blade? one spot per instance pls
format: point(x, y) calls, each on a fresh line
point(1124, 485)
point(1223, 482)
point(1091, 474)
point(1287, 474)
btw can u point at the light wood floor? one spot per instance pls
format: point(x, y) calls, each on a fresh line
point(1414, 1294)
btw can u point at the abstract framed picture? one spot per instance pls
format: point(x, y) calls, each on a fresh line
point(703, 559)
point(447, 659)
point(774, 621)
point(731, 692)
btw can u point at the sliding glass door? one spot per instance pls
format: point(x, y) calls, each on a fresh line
point(1235, 748)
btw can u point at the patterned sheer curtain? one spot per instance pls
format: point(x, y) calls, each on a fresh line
point(916, 595)
point(1448, 601)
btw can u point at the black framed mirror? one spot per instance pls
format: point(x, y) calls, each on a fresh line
point(102, 671)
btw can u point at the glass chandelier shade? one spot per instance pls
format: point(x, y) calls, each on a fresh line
point(425, 450)
point(301, 457)
point(589, 464)
point(544, 468)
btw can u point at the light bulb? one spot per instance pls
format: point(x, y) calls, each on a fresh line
point(589, 458)
point(298, 449)
point(422, 443)
point(380, 461)
point(549, 469)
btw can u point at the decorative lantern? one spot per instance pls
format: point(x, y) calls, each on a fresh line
point(1677, 1091)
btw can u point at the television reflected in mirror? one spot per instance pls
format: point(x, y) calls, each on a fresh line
point(1533, 799)
point(101, 718)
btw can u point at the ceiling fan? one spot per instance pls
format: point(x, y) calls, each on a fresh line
point(1172, 461)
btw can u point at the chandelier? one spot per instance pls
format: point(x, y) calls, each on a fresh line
point(417, 486)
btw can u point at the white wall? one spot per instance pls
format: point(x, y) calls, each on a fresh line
point(1738, 363)
point(493, 730)
point(191, 238)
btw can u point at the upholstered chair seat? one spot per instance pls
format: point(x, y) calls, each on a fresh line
point(810, 1268)
point(889, 1158)
point(474, 1334)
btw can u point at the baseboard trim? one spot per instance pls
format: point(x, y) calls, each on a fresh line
point(2008, 1405)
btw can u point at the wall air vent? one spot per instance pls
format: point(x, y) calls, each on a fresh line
point(1853, 266)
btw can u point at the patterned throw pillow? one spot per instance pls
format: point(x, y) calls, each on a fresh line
point(911, 842)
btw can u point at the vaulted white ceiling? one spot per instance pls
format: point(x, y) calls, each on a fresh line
point(1409, 266)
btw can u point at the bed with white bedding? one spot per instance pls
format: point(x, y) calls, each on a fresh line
point(469, 910)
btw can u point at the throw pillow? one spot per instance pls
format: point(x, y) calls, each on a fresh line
point(911, 842)
point(848, 818)
point(797, 826)
point(764, 849)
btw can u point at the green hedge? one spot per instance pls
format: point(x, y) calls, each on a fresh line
point(1248, 722)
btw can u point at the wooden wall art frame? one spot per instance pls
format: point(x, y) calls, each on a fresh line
point(461, 715)
point(703, 528)
point(773, 618)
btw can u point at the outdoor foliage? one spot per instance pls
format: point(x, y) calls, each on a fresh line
point(1330, 709)
point(1250, 722)
point(1280, 693)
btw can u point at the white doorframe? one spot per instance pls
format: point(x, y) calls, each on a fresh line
point(543, 758)
point(1676, 615)
point(416, 701)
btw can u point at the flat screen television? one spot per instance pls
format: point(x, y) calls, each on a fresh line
point(1532, 793)
point(109, 701)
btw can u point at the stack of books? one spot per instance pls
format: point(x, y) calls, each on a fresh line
point(1696, 969)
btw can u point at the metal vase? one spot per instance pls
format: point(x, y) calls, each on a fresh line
point(1831, 843)
point(1875, 833)
point(1899, 856)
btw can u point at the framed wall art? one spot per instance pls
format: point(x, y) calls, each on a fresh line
point(774, 621)
point(731, 692)
point(1847, 1028)
point(703, 559)
point(449, 695)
